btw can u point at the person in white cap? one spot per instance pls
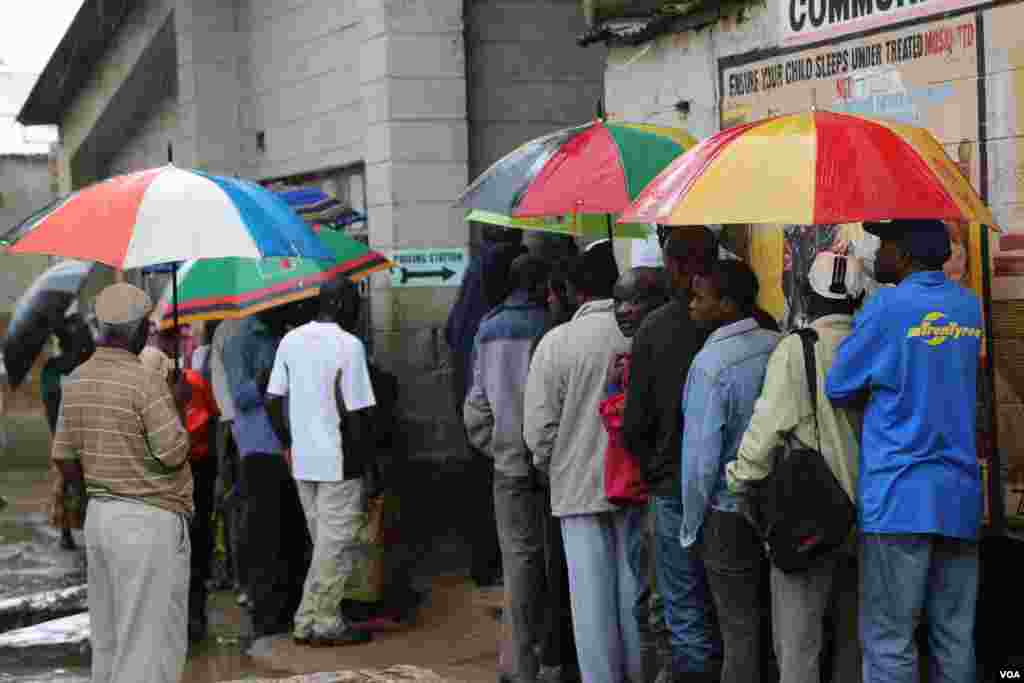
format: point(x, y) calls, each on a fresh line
point(120, 431)
point(801, 601)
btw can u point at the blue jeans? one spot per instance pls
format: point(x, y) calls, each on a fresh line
point(689, 610)
point(909, 577)
point(603, 590)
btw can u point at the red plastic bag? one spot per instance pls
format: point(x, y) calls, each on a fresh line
point(623, 480)
point(199, 415)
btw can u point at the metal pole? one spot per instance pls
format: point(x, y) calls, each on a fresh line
point(997, 507)
point(177, 330)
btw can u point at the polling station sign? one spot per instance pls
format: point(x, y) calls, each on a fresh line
point(811, 21)
point(429, 267)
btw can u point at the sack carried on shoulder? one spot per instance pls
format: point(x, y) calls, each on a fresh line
point(801, 510)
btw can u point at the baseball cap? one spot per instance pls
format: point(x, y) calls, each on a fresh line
point(834, 276)
point(924, 240)
point(121, 304)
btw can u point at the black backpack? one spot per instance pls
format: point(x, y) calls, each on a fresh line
point(801, 511)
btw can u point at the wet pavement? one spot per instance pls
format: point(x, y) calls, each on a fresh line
point(450, 635)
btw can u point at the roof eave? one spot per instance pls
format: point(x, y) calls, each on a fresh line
point(71, 64)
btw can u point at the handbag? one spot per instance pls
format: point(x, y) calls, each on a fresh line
point(801, 510)
point(623, 479)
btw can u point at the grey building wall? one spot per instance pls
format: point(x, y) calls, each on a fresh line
point(26, 184)
point(404, 102)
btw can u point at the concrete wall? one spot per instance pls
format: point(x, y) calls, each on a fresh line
point(26, 184)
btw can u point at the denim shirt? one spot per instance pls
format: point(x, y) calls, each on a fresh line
point(245, 355)
point(721, 389)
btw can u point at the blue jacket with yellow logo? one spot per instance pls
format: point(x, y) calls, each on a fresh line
point(915, 348)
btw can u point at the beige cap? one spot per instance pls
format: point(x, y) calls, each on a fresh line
point(121, 304)
point(835, 276)
point(155, 360)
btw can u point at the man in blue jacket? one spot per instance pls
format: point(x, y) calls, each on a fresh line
point(913, 355)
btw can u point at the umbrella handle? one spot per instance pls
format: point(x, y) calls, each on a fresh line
point(177, 330)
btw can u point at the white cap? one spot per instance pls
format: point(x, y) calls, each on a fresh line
point(834, 276)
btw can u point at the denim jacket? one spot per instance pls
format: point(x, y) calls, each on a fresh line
point(721, 389)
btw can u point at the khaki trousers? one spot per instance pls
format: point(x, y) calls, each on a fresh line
point(335, 517)
point(139, 558)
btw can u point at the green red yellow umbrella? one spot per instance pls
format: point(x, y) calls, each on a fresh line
point(572, 180)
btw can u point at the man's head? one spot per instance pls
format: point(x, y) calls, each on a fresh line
point(909, 246)
point(121, 311)
point(530, 274)
point(835, 285)
point(561, 306)
point(726, 294)
point(339, 302)
point(592, 274)
point(688, 251)
point(638, 292)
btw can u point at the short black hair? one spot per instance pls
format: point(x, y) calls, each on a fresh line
point(736, 281)
point(679, 240)
point(529, 272)
point(594, 272)
point(337, 295)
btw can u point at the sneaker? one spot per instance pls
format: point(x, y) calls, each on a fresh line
point(339, 638)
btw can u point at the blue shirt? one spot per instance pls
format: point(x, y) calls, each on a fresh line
point(721, 389)
point(915, 348)
point(246, 354)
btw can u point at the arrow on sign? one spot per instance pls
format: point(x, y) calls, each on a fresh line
point(445, 274)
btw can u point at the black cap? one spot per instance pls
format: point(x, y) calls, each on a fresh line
point(924, 240)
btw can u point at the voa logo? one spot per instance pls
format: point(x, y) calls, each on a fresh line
point(1009, 675)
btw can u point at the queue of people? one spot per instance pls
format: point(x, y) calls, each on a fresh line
point(672, 375)
point(711, 393)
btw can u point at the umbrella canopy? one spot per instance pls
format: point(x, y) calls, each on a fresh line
point(578, 225)
point(37, 314)
point(166, 214)
point(596, 168)
point(813, 168)
point(217, 289)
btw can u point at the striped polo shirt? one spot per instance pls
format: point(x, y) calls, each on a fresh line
point(120, 421)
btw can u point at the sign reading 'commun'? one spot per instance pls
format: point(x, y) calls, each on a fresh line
point(428, 267)
point(809, 21)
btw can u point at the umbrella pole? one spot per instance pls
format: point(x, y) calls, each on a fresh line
point(997, 508)
point(177, 330)
point(611, 238)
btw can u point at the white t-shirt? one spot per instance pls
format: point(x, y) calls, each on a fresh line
point(305, 368)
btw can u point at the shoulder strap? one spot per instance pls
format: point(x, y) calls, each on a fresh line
point(807, 338)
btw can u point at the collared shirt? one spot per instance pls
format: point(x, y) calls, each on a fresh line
point(915, 348)
point(722, 387)
point(562, 424)
point(218, 376)
point(247, 354)
point(120, 421)
point(663, 349)
point(493, 411)
point(785, 407)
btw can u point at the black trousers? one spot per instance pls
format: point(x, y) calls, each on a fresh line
point(204, 477)
point(559, 645)
point(737, 570)
point(276, 548)
point(482, 525)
